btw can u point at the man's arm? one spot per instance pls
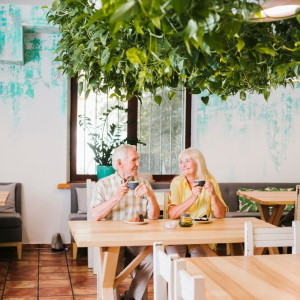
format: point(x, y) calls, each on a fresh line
point(101, 210)
point(153, 207)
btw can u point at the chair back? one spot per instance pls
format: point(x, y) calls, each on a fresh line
point(297, 204)
point(163, 273)
point(167, 196)
point(93, 252)
point(90, 189)
point(272, 237)
point(187, 286)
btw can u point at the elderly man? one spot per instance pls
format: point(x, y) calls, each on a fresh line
point(113, 201)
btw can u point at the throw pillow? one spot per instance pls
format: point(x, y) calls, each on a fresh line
point(82, 200)
point(9, 206)
point(246, 204)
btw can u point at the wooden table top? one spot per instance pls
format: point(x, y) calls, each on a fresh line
point(249, 277)
point(118, 233)
point(270, 197)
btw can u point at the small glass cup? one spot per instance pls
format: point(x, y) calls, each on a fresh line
point(186, 220)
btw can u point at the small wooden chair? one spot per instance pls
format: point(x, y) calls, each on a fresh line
point(163, 273)
point(187, 287)
point(272, 237)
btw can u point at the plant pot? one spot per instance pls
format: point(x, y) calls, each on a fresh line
point(103, 171)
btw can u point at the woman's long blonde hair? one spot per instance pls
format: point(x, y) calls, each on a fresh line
point(198, 157)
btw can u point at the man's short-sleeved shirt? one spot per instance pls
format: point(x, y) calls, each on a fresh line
point(128, 207)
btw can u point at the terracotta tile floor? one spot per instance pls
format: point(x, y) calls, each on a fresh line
point(46, 275)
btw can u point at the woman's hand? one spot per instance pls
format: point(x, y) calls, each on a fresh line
point(210, 188)
point(197, 189)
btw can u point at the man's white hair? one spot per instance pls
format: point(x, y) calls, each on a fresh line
point(120, 153)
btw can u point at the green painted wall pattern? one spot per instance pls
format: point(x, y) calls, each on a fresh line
point(27, 44)
point(273, 119)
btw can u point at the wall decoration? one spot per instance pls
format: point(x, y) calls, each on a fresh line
point(27, 44)
point(256, 137)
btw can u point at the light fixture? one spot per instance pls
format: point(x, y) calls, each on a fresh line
point(274, 10)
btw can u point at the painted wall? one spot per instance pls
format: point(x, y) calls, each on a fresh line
point(242, 141)
point(250, 140)
point(34, 121)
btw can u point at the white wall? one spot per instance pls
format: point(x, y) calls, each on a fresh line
point(241, 141)
point(250, 140)
point(34, 130)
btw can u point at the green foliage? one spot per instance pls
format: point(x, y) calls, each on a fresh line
point(140, 45)
point(105, 137)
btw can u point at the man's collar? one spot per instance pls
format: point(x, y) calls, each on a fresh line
point(124, 179)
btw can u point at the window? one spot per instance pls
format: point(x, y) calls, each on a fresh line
point(165, 129)
point(161, 127)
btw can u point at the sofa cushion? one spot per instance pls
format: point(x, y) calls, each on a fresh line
point(239, 214)
point(77, 217)
point(9, 206)
point(10, 220)
point(82, 200)
point(246, 204)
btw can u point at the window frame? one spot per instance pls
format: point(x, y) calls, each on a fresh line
point(132, 129)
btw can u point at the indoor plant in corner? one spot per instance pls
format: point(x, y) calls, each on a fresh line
point(104, 138)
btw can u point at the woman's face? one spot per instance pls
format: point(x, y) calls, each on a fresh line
point(188, 166)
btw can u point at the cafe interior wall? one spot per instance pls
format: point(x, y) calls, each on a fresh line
point(253, 140)
point(34, 121)
point(242, 141)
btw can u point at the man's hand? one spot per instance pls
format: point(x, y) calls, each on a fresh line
point(142, 190)
point(121, 191)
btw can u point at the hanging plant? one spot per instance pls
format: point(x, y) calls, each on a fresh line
point(135, 46)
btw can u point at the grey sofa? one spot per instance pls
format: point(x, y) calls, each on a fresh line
point(74, 215)
point(11, 224)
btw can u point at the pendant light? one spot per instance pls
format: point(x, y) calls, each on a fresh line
point(274, 10)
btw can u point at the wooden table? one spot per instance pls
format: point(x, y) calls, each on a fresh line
point(249, 277)
point(109, 236)
point(267, 199)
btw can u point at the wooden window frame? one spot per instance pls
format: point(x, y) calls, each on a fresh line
point(131, 132)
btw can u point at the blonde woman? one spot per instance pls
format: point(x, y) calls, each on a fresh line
point(187, 196)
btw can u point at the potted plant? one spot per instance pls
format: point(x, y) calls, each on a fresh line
point(104, 138)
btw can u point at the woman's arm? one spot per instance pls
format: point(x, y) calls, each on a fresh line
point(175, 210)
point(219, 207)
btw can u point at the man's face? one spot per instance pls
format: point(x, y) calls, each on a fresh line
point(130, 165)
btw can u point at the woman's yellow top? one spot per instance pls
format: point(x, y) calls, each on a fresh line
point(180, 191)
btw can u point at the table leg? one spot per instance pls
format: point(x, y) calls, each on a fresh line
point(109, 261)
point(236, 249)
point(264, 212)
point(276, 214)
point(274, 217)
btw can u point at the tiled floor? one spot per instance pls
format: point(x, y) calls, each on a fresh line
point(46, 275)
